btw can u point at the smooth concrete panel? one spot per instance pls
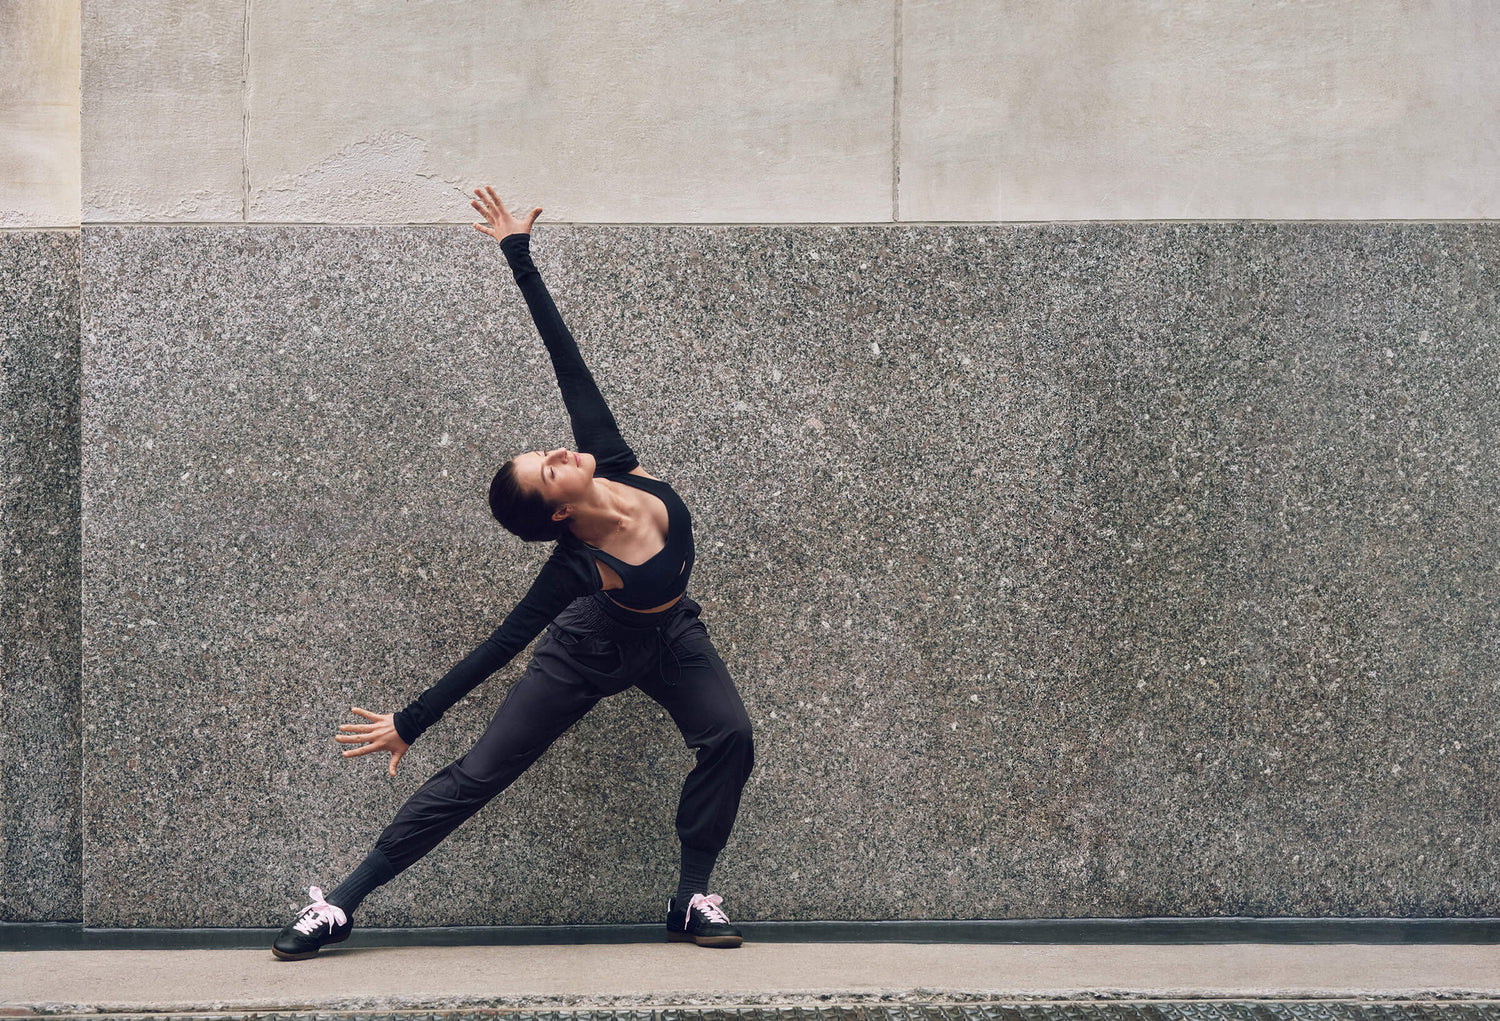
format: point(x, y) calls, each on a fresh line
point(384, 110)
point(1065, 571)
point(41, 872)
point(1020, 110)
point(39, 114)
point(163, 110)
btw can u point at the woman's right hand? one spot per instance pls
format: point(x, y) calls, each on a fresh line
point(379, 735)
point(500, 222)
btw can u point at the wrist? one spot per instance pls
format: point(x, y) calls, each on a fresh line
point(405, 728)
point(517, 250)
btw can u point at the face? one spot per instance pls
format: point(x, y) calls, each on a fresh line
point(559, 476)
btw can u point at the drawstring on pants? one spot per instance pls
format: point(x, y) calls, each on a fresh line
point(663, 641)
point(602, 616)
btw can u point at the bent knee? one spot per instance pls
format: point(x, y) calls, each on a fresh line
point(733, 728)
point(736, 738)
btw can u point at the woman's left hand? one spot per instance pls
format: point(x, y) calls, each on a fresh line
point(501, 223)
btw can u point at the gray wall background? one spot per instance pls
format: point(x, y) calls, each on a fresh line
point(1068, 567)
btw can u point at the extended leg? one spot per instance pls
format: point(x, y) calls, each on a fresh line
point(547, 700)
point(558, 687)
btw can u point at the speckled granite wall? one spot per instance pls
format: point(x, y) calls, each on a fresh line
point(1079, 570)
point(40, 846)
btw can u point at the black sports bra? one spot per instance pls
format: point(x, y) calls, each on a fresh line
point(665, 576)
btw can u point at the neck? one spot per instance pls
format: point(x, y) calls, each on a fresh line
point(604, 513)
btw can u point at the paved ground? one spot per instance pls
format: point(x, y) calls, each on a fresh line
point(1030, 1010)
point(816, 974)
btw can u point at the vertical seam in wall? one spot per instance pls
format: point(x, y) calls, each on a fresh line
point(896, 120)
point(77, 497)
point(245, 118)
point(77, 501)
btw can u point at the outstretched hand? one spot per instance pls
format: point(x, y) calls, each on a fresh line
point(500, 221)
point(379, 735)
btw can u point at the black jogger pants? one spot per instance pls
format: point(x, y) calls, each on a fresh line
point(592, 650)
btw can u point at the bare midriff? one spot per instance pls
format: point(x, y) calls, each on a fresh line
point(632, 609)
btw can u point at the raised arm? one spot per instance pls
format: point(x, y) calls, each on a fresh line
point(594, 427)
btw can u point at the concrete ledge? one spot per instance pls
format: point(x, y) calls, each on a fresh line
point(1043, 1010)
point(756, 975)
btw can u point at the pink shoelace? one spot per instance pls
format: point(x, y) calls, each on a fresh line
point(708, 903)
point(319, 912)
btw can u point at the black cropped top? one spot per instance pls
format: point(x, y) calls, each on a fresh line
point(572, 570)
point(665, 576)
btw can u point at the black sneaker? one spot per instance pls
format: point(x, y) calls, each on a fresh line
point(319, 924)
point(702, 922)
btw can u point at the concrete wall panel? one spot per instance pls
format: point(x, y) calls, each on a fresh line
point(163, 110)
point(384, 110)
point(381, 111)
point(1025, 110)
point(1065, 571)
point(39, 114)
point(41, 866)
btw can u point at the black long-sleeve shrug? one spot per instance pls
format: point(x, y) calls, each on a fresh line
point(570, 571)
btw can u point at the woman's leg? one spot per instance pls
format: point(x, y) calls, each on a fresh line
point(701, 698)
point(549, 698)
point(571, 670)
point(559, 686)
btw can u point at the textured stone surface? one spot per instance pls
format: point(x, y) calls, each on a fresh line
point(1066, 571)
point(660, 975)
point(40, 845)
point(1095, 110)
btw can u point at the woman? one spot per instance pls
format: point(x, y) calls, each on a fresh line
point(612, 600)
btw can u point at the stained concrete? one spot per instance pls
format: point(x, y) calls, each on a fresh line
point(809, 974)
point(39, 114)
point(379, 111)
point(388, 112)
point(856, 111)
point(1065, 571)
point(163, 134)
point(1162, 110)
point(41, 872)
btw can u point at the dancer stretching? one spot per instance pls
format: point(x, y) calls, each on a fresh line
point(612, 600)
